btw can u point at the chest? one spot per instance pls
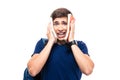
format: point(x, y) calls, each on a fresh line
point(61, 56)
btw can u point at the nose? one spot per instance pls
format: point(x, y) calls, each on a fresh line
point(60, 28)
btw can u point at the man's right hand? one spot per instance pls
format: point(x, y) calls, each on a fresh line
point(50, 34)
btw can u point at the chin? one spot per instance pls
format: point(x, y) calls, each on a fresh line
point(60, 39)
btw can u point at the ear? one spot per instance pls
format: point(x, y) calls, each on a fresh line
point(72, 18)
point(52, 29)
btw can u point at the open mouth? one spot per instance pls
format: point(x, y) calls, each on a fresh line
point(61, 34)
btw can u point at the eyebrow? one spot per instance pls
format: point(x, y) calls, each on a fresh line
point(61, 21)
point(64, 22)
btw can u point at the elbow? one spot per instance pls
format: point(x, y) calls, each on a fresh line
point(32, 71)
point(88, 70)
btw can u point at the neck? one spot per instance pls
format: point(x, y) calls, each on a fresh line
point(61, 42)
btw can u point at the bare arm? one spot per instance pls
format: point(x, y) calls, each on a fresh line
point(37, 61)
point(83, 60)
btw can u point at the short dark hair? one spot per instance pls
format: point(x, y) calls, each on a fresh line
point(60, 12)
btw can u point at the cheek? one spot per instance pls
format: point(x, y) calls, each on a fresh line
point(55, 29)
point(64, 28)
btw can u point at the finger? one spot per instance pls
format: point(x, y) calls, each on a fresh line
point(72, 19)
point(72, 27)
point(48, 28)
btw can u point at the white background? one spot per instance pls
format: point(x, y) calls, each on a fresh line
point(24, 22)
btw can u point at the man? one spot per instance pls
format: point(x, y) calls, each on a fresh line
point(60, 58)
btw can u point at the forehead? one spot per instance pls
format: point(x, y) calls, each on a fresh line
point(60, 19)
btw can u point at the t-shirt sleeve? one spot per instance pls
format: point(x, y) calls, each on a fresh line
point(83, 47)
point(39, 46)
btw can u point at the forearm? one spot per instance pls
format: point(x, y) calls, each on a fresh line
point(37, 61)
point(84, 62)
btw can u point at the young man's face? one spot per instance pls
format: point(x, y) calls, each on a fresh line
point(60, 27)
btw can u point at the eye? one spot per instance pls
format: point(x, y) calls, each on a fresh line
point(64, 23)
point(55, 23)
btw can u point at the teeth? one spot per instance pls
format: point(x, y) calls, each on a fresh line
point(61, 33)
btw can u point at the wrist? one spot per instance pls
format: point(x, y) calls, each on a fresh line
point(51, 42)
point(70, 40)
point(73, 42)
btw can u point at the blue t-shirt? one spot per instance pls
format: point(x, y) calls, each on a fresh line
point(61, 64)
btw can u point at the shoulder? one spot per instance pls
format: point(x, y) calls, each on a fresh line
point(42, 40)
point(82, 45)
point(81, 42)
point(40, 45)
